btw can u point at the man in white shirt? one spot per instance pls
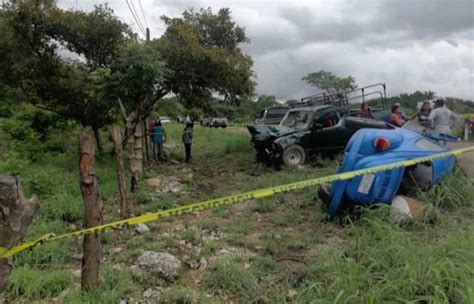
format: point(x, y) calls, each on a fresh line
point(441, 118)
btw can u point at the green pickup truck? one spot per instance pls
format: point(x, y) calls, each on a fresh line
point(307, 131)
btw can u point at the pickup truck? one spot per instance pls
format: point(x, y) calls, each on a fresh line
point(306, 131)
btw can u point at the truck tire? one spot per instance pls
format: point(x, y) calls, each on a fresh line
point(294, 155)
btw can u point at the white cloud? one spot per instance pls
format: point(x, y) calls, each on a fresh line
point(426, 45)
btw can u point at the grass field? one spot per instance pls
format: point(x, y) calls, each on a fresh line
point(277, 250)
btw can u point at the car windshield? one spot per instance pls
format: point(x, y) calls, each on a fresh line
point(296, 119)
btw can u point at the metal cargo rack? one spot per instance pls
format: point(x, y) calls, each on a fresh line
point(342, 99)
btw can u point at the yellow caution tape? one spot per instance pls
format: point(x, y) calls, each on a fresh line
point(228, 200)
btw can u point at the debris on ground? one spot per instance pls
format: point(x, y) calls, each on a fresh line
point(406, 208)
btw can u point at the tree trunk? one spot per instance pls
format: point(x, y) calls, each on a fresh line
point(16, 214)
point(92, 209)
point(146, 156)
point(136, 161)
point(117, 139)
point(97, 138)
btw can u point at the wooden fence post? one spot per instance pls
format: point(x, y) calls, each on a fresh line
point(136, 159)
point(16, 214)
point(92, 210)
point(117, 140)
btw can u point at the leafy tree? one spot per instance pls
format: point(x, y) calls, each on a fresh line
point(39, 32)
point(327, 81)
point(201, 49)
point(136, 81)
point(429, 95)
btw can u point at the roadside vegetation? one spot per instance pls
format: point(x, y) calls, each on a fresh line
point(276, 250)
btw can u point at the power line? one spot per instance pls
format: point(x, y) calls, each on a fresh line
point(143, 12)
point(134, 17)
point(138, 16)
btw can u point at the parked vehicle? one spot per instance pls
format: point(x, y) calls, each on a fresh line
point(307, 131)
point(272, 115)
point(218, 122)
point(373, 147)
point(165, 119)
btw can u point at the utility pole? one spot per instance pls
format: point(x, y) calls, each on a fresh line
point(145, 125)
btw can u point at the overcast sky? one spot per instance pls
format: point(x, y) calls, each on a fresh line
point(408, 44)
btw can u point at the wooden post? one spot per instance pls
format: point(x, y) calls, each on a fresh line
point(136, 161)
point(92, 210)
point(145, 137)
point(117, 140)
point(16, 214)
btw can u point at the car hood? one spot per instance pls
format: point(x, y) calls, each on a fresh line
point(261, 133)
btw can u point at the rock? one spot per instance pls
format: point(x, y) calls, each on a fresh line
point(142, 228)
point(152, 293)
point(76, 273)
point(203, 264)
point(165, 185)
point(123, 301)
point(77, 256)
point(291, 295)
point(163, 264)
point(223, 252)
point(193, 264)
point(179, 227)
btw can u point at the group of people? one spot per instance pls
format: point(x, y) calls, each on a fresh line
point(440, 118)
point(158, 137)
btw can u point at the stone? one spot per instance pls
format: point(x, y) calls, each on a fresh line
point(162, 264)
point(76, 273)
point(193, 264)
point(142, 228)
point(152, 293)
point(223, 252)
point(179, 227)
point(291, 295)
point(203, 264)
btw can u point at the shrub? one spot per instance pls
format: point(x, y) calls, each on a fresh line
point(36, 284)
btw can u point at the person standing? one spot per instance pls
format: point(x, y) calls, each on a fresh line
point(396, 116)
point(365, 111)
point(442, 118)
point(423, 115)
point(159, 136)
point(188, 140)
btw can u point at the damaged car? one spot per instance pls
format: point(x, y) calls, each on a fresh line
point(307, 131)
point(370, 148)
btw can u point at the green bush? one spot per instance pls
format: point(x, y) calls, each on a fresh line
point(230, 277)
point(62, 206)
point(30, 283)
point(116, 285)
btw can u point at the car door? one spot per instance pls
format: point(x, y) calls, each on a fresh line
point(329, 134)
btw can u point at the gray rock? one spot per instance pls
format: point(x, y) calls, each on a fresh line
point(142, 228)
point(162, 264)
point(194, 264)
point(202, 264)
point(179, 227)
point(152, 293)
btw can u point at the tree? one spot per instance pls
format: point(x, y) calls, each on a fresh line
point(136, 81)
point(327, 81)
point(202, 51)
point(429, 95)
point(71, 87)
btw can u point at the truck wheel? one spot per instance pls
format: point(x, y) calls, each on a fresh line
point(294, 156)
